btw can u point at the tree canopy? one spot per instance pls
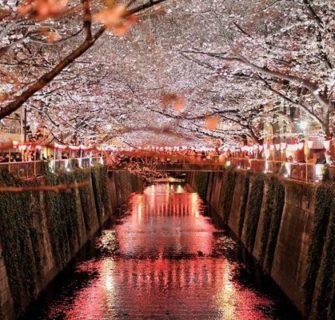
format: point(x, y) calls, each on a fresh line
point(169, 71)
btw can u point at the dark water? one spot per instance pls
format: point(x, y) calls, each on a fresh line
point(164, 260)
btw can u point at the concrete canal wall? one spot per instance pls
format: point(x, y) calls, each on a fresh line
point(288, 227)
point(41, 231)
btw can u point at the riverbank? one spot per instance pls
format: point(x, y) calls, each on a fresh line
point(286, 226)
point(164, 258)
point(42, 229)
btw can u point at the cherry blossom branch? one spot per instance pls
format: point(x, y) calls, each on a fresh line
point(310, 86)
point(89, 41)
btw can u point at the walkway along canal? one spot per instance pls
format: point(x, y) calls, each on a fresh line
point(164, 259)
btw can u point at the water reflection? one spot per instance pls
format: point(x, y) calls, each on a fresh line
point(165, 222)
point(166, 260)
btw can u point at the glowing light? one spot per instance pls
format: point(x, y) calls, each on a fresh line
point(67, 165)
point(319, 168)
point(52, 164)
point(301, 145)
point(326, 144)
point(267, 154)
point(180, 189)
point(288, 169)
point(59, 146)
point(74, 147)
point(303, 124)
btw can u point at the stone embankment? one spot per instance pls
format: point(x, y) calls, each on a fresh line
point(41, 231)
point(288, 227)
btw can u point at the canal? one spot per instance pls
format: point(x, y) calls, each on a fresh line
point(163, 259)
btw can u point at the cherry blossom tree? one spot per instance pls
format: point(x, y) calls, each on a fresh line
point(286, 46)
point(172, 71)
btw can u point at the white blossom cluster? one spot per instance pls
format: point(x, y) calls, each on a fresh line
point(249, 63)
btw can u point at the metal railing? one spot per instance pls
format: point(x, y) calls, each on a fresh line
point(30, 169)
point(25, 170)
point(307, 172)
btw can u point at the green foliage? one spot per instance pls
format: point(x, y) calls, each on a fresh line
point(85, 197)
point(317, 238)
point(228, 193)
point(18, 236)
point(62, 218)
point(20, 223)
point(125, 185)
point(326, 273)
point(331, 304)
point(326, 176)
point(246, 182)
point(253, 210)
point(136, 183)
point(201, 183)
point(273, 213)
point(268, 209)
point(300, 188)
point(99, 183)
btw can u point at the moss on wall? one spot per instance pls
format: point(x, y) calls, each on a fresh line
point(325, 285)
point(99, 184)
point(331, 304)
point(21, 240)
point(253, 210)
point(24, 240)
point(244, 203)
point(85, 197)
point(201, 182)
point(317, 238)
point(268, 208)
point(17, 235)
point(61, 218)
point(274, 210)
point(227, 193)
point(125, 184)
